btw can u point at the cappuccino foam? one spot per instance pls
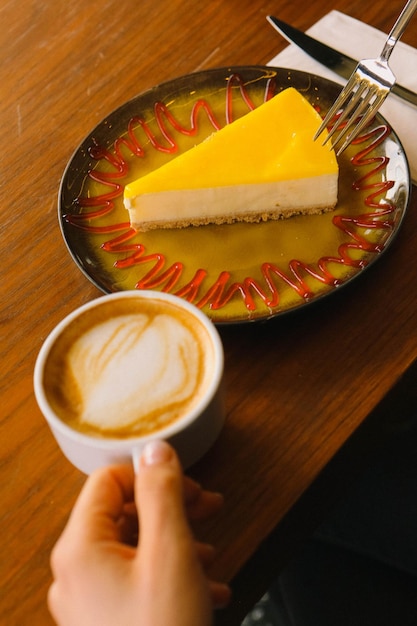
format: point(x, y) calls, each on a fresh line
point(128, 368)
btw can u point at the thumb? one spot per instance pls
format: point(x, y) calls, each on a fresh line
point(159, 497)
point(167, 559)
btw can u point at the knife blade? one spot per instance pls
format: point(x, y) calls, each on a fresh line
point(327, 56)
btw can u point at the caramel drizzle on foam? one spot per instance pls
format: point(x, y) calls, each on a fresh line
point(219, 293)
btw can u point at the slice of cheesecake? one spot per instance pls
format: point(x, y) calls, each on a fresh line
point(265, 165)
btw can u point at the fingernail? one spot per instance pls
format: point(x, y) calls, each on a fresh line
point(156, 452)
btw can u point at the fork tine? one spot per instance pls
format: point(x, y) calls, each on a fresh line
point(363, 122)
point(353, 103)
point(358, 104)
point(344, 94)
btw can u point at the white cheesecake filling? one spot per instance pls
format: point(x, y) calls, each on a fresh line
point(252, 202)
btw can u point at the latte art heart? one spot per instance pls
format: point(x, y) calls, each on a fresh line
point(134, 371)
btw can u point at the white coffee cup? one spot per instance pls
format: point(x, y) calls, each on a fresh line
point(128, 368)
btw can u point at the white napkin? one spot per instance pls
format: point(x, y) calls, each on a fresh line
point(360, 41)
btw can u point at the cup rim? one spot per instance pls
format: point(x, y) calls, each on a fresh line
point(125, 443)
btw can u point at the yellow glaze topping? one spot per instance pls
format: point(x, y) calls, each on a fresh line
point(271, 143)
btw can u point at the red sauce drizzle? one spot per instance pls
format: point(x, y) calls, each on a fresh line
point(221, 292)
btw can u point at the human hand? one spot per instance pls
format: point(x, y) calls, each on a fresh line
point(104, 575)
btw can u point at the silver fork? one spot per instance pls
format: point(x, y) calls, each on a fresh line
point(367, 88)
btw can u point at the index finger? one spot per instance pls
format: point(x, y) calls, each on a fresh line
point(101, 502)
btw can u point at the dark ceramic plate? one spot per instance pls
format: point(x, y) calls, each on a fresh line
point(239, 272)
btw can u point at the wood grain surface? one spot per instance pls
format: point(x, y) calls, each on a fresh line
point(298, 388)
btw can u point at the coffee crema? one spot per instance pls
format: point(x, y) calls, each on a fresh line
point(128, 368)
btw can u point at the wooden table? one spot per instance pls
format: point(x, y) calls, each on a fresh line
point(307, 393)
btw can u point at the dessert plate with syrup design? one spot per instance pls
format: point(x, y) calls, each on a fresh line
point(237, 272)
